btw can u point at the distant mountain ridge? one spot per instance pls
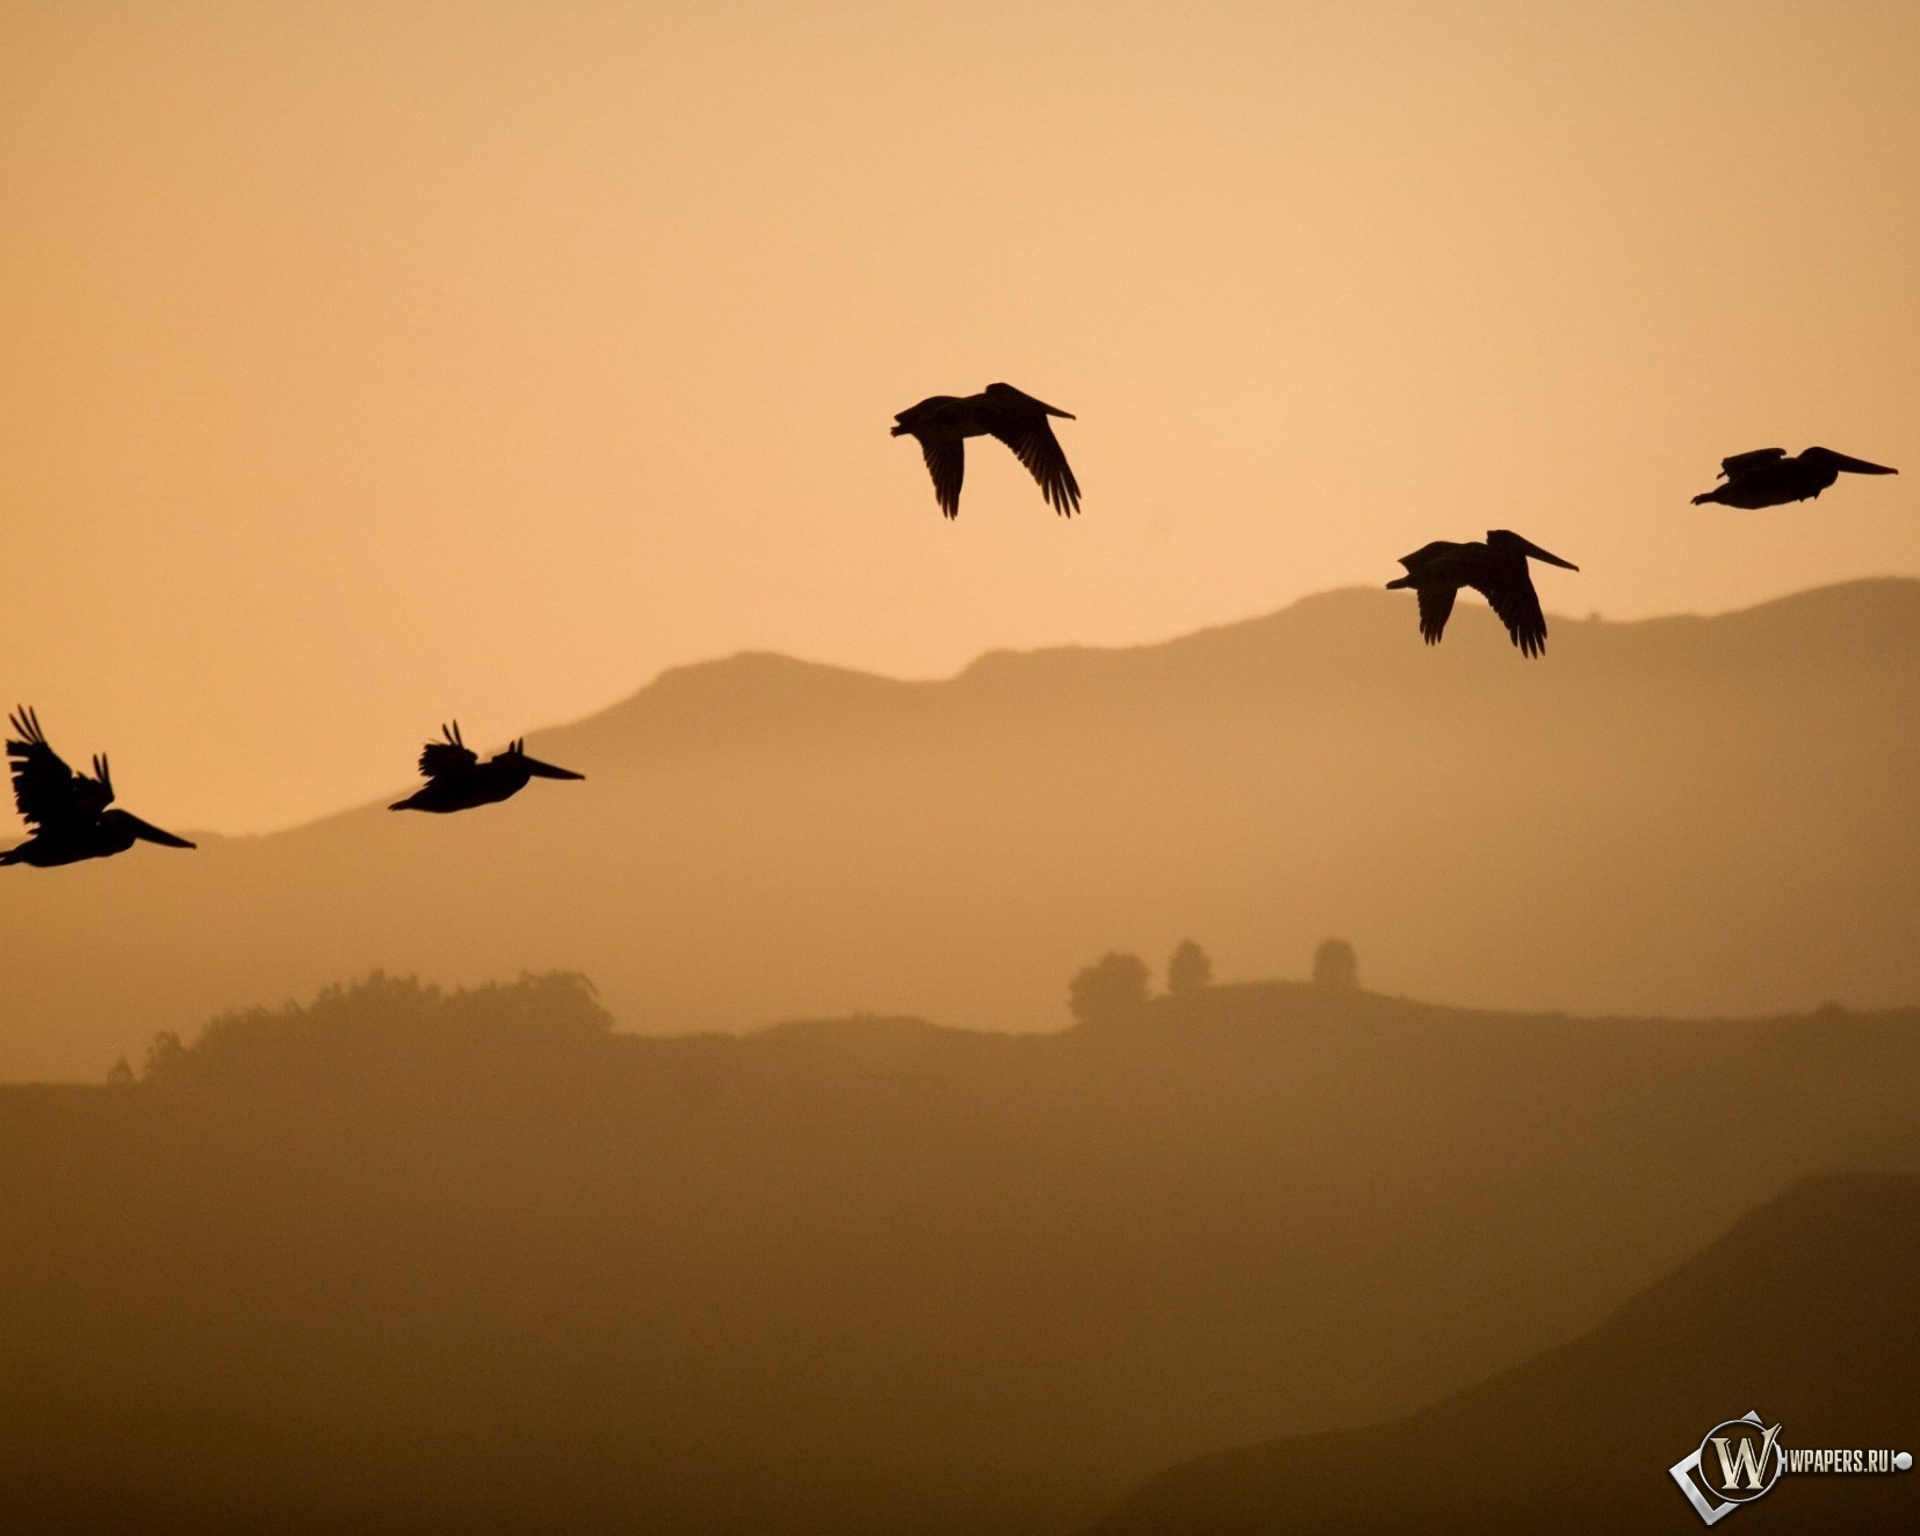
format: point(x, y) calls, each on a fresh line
point(1685, 815)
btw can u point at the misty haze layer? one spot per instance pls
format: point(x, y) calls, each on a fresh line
point(1677, 816)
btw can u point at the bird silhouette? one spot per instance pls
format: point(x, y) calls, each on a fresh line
point(67, 811)
point(942, 423)
point(1771, 477)
point(458, 781)
point(1497, 570)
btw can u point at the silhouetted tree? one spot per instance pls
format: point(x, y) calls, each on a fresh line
point(384, 1028)
point(1335, 967)
point(164, 1055)
point(1112, 987)
point(1189, 970)
point(121, 1076)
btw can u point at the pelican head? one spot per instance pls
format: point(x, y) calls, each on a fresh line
point(1008, 392)
point(518, 753)
point(1827, 458)
point(1507, 541)
point(131, 827)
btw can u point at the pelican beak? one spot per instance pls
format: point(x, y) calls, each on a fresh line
point(1054, 410)
point(1855, 466)
point(146, 831)
point(1538, 553)
point(542, 770)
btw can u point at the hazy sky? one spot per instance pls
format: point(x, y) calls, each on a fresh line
point(365, 364)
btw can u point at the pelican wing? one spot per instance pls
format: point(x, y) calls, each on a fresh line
point(1034, 445)
point(448, 755)
point(1509, 589)
point(1736, 465)
point(947, 462)
point(1436, 606)
point(48, 793)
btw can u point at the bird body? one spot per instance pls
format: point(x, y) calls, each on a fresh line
point(67, 812)
point(458, 781)
point(1771, 477)
point(1496, 569)
point(941, 424)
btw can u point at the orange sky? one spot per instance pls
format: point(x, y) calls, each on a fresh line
point(366, 364)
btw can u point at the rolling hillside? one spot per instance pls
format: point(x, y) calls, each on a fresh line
point(400, 1262)
point(1688, 816)
point(1803, 1312)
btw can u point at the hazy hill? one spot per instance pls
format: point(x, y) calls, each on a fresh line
point(1804, 1312)
point(404, 1262)
point(1677, 816)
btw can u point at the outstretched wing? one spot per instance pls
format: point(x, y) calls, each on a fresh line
point(947, 462)
point(448, 755)
point(1744, 463)
point(48, 793)
point(1436, 606)
point(1509, 589)
point(1031, 438)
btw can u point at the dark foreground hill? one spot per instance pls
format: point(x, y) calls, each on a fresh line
point(1805, 1312)
point(404, 1262)
point(1678, 816)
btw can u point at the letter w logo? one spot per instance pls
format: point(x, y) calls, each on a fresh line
point(1743, 1461)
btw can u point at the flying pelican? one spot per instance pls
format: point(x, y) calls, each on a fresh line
point(942, 423)
point(457, 780)
point(1771, 477)
point(66, 810)
point(1497, 570)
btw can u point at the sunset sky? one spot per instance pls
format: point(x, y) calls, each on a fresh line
point(363, 365)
